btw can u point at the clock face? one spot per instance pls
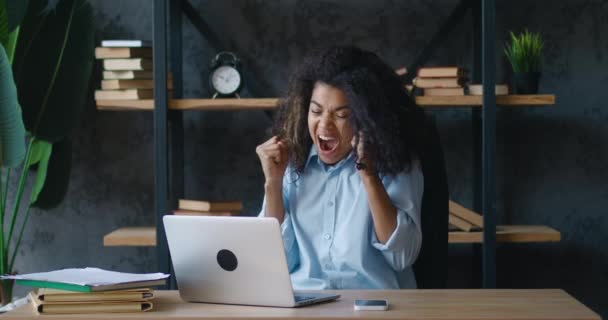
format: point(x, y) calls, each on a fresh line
point(226, 80)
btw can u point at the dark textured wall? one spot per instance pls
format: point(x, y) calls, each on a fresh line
point(552, 162)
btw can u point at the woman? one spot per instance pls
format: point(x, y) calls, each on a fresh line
point(342, 174)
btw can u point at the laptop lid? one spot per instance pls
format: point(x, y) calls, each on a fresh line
point(235, 260)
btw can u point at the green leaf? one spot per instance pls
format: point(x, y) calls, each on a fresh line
point(53, 65)
point(57, 177)
point(12, 132)
point(44, 150)
point(40, 148)
point(524, 51)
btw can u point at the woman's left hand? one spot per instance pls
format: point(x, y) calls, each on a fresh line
point(364, 163)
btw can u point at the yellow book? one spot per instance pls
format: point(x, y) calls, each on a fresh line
point(50, 296)
point(127, 64)
point(466, 214)
point(196, 205)
point(89, 307)
point(122, 52)
point(130, 84)
point(124, 94)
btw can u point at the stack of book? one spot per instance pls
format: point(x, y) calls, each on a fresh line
point(127, 70)
point(441, 81)
point(53, 301)
point(208, 208)
point(463, 219)
point(90, 290)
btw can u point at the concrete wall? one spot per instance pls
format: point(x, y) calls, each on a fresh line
point(552, 162)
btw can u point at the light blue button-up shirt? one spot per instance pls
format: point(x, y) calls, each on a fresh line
point(328, 231)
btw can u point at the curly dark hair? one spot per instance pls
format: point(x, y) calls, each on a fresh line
point(380, 106)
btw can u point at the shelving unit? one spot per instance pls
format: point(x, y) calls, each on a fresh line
point(146, 236)
point(168, 127)
point(270, 103)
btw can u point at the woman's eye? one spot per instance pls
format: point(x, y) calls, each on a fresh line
point(342, 115)
point(315, 111)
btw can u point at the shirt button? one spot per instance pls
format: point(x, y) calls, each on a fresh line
point(330, 203)
point(327, 236)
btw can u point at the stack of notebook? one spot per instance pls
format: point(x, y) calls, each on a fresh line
point(127, 70)
point(463, 219)
point(90, 290)
point(441, 81)
point(53, 301)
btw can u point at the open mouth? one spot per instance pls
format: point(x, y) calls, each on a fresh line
point(327, 144)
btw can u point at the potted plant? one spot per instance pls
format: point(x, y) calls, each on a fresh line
point(50, 48)
point(524, 53)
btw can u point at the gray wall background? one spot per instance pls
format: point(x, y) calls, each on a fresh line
point(552, 162)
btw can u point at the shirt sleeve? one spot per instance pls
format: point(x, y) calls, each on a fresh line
point(405, 191)
point(287, 232)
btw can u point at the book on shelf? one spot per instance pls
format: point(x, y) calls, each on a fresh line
point(198, 205)
point(128, 74)
point(88, 279)
point(440, 72)
point(43, 307)
point(126, 43)
point(130, 84)
point(133, 64)
point(462, 224)
point(453, 82)
point(121, 52)
point(465, 214)
point(182, 212)
point(444, 92)
point(47, 295)
point(477, 89)
point(124, 94)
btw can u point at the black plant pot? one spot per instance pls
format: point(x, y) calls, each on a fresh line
point(525, 82)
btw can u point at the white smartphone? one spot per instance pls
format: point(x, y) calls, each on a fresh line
point(377, 305)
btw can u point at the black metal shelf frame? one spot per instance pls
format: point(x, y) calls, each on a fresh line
point(168, 124)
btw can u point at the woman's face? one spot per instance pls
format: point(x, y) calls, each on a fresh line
point(329, 123)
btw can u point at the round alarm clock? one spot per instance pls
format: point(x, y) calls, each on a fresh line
point(225, 75)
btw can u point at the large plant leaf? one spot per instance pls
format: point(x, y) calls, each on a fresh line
point(41, 153)
point(53, 66)
point(57, 176)
point(12, 132)
point(40, 149)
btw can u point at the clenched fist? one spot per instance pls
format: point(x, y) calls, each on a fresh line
point(274, 158)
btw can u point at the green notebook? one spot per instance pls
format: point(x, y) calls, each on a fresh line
point(89, 288)
point(89, 280)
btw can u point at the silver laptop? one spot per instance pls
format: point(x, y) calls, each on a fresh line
point(234, 260)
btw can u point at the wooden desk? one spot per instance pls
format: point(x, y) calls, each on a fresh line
point(550, 304)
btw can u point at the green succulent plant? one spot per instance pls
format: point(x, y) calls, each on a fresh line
point(524, 51)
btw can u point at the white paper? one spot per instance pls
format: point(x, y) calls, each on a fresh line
point(88, 276)
point(126, 43)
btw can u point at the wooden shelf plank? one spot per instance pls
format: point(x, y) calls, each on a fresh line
point(146, 236)
point(507, 100)
point(191, 104)
point(511, 234)
point(134, 236)
point(270, 103)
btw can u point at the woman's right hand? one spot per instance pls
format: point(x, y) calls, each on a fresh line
point(274, 158)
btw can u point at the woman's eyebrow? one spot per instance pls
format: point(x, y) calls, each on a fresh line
point(321, 106)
